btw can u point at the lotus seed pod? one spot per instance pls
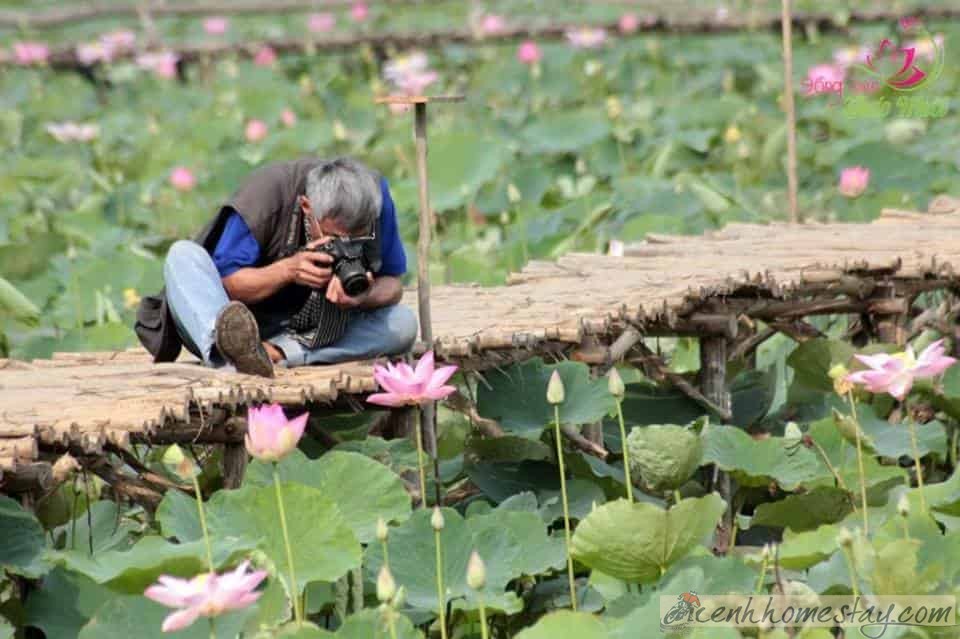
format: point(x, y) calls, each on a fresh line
point(903, 506)
point(386, 586)
point(476, 572)
point(837, 371)
point(845, 538)
point(382, 530)
point(555, 389)
point(664, 455)
point(436, 520)
point(615, 384)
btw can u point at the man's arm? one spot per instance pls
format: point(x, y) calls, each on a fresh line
point(250, 285)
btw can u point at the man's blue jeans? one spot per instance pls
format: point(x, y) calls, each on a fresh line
point(196, 295)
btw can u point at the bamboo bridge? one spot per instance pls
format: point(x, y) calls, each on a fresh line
point(731, 288)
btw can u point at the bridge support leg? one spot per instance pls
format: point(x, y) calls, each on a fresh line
point(891, 313)
point(234, 465)
point(713, 383)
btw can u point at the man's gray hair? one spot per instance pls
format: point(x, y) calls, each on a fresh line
point(347, 192)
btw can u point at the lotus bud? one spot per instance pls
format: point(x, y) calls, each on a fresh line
point(513, 193)
point(792, 433)
point(476, 572)
point(64, 468)
point(903, 506)
point(845, 538)
point(837, 371)
point(382, 530)
point(615, 384)
point(386, 586)
point(555, 389)
point(436, 520)
point(180, 463)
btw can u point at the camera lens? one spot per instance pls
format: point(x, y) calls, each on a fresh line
point(354, 281)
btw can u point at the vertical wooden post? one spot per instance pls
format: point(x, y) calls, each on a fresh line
point(428, 414)
point(428, 424)
point(234, 465)
point(786, 22)
point(890, 313)
point(713, 383)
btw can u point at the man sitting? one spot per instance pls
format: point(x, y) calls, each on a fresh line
point(249, 291)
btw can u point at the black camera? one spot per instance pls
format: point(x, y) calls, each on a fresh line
point(350, 264)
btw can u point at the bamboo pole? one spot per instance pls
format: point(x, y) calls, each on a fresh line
point(713, 383)
point(786, 23)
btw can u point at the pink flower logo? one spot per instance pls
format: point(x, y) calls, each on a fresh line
point(908, 74)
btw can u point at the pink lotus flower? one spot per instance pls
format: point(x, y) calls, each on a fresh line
point(894, 374)
point(529, 53)
point(407, 386)
point(629, 23)
point(321, 22)
point(256, 130)
point(120, 40)
point(163, 64)
point(359, 11)
point(91, 53)
point(854, 181)
point(27, 53)
point(492, 24)
point(288, 118)
point(824, 78)
point(270, 435)
point(586, 38)
point(216, 25)
point(206, 595)
point(409, 73)
point(265, 57)
point(182, 179)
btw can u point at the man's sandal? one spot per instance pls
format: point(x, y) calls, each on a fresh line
point(238, 340)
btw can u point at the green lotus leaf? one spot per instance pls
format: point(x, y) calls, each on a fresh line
point(664, 456)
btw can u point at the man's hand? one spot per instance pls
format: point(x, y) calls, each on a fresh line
point(336, 294)
point(310, 268)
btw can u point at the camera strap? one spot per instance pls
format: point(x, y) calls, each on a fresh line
point(319, 322)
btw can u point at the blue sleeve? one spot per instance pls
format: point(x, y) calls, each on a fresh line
point(236, 248)
point(393, 259)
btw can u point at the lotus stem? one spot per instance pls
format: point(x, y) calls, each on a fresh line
point(391, 624)
point(420, 463)
point(213, 629)
point(626, 451)
point(851, 568)
point(916, 461)
point(203, 525)
point(763, 568)
point(484, 633)
point(441, 599)
point(566, 507)
point(676, 496)
point(862, 474)
point(294, 590)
